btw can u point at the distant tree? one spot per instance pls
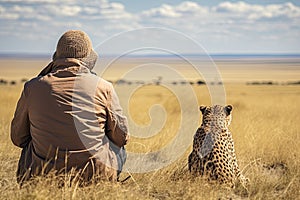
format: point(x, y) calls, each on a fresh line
point(120, 82)
point(23, 80)
point(3, 82)
point(200, 82)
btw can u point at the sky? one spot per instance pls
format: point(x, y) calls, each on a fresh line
point(220, 27)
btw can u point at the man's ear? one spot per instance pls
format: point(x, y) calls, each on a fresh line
point(202, 109)
point(228, 109)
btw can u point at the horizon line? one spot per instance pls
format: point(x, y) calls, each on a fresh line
point(218, 55)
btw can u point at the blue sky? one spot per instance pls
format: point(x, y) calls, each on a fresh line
point(137, 6)
point(265, 26)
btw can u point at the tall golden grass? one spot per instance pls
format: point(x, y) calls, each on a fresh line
point(265, 128)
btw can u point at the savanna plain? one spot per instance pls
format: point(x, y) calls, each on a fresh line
point(265, 127)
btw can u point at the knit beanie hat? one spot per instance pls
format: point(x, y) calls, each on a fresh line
point(76, 44)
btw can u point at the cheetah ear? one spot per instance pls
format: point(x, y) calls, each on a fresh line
point(202, 109)
point(228, 109)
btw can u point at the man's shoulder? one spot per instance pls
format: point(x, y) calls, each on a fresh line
point(102, 83)
point(31, 85)
point(33, 81)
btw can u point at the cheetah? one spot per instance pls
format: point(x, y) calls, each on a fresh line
point(213, 153)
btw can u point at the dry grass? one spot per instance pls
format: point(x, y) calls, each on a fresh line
point(265, 129)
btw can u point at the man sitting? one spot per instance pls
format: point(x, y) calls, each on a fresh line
point(68, 119)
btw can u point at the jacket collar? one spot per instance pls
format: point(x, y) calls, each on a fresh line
point(71, 64)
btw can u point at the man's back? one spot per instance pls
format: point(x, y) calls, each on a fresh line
point(68, 118)
point(64, 116)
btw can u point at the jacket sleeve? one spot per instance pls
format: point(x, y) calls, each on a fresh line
point(116, 123)
point(20, 125)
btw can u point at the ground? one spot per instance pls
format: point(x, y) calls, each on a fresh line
point(265, 129)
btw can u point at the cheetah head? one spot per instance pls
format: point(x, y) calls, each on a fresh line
point(216, 115)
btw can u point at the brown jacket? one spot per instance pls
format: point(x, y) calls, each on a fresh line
point(69, 119)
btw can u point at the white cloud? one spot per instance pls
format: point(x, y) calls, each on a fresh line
point(6, 15)
point(189, 7)
point(287, 10)
point(185, 8)
point(37, 1)
point(239, 7)
point(28, 20)
point(238, 23)
point(23, 9)
point(114, 11)
point(60, 10)
point(164, 11)
point(227, 21)
point(9, 16)
point(90, 10)
point(257, 12)
point(117, 6)
point(25, 12)
point(56, 11)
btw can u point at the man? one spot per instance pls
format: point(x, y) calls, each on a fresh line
point(68, 119)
